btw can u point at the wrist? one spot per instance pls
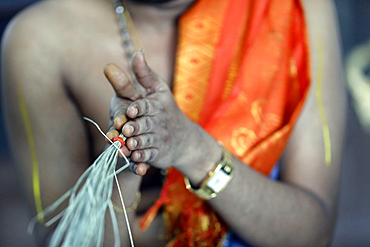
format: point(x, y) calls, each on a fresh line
point(200, 158)
point(216, 180)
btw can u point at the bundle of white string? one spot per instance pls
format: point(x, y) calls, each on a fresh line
point(82, 222)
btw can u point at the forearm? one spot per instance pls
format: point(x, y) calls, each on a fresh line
point(262, 211)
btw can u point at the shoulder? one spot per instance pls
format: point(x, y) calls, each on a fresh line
point(33, 32)
point(54, 36)
point(37, 22)
point(325, 56)
point(58, 13)
point(48, 26)
point(318, 7)
point(321, 18)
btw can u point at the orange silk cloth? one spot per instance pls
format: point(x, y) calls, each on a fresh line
point(242, 73)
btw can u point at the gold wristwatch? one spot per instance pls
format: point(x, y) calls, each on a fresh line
point(216, 180)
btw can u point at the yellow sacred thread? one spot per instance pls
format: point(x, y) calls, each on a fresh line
point(35, 164)
point(320, 104)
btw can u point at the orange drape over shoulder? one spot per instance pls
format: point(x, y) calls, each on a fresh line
point(242, 73)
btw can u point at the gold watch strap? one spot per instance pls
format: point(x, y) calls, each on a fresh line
point(119, 209)
point(216, 180)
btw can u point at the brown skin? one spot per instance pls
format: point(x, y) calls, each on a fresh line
point(60, 85)
point(158, 127)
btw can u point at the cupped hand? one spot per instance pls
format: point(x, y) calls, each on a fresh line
point(126, 93)
point(158, 131)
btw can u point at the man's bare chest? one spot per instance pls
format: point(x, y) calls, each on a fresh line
point(86, 84)
point(84, 68)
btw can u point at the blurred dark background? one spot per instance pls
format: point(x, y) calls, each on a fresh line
point(353, 226)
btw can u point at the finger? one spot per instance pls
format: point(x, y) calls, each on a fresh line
point(118, 106)
point(125, 151)
point(143, 107)
point(120, 82)
point(141, 169)
point(111, 134)
point(144, 155)
point(145, 75)
point(118, 109)
point(138, 168)
point(138, 126)
point(141, 142)
point(119, 121)
point(132, 165)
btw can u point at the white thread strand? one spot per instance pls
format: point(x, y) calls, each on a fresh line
point(124, 211)
point(82, 222)
point(97, 126)
point(117, 183)
point(116, 179)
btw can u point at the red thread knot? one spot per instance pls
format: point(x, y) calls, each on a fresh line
point(119, 139)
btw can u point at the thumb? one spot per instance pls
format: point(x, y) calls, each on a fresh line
point(145, 75)
point(120, 82)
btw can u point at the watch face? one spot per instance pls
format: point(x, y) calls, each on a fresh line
point(218, 181)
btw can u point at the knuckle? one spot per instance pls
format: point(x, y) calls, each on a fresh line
point(116, 112)
point(147, 106)
point(152, 155)
point(137, 156)
point(145, 141)
point(148, 124)
point(149, 141)
point(123, 87)
point(139, 143)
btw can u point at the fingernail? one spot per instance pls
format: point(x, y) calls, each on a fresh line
point(135, 143)
point(138, 155)
point(117, 123)
point(144, 57)
point(128, 130)
point(141, 50)
point(133, 111)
